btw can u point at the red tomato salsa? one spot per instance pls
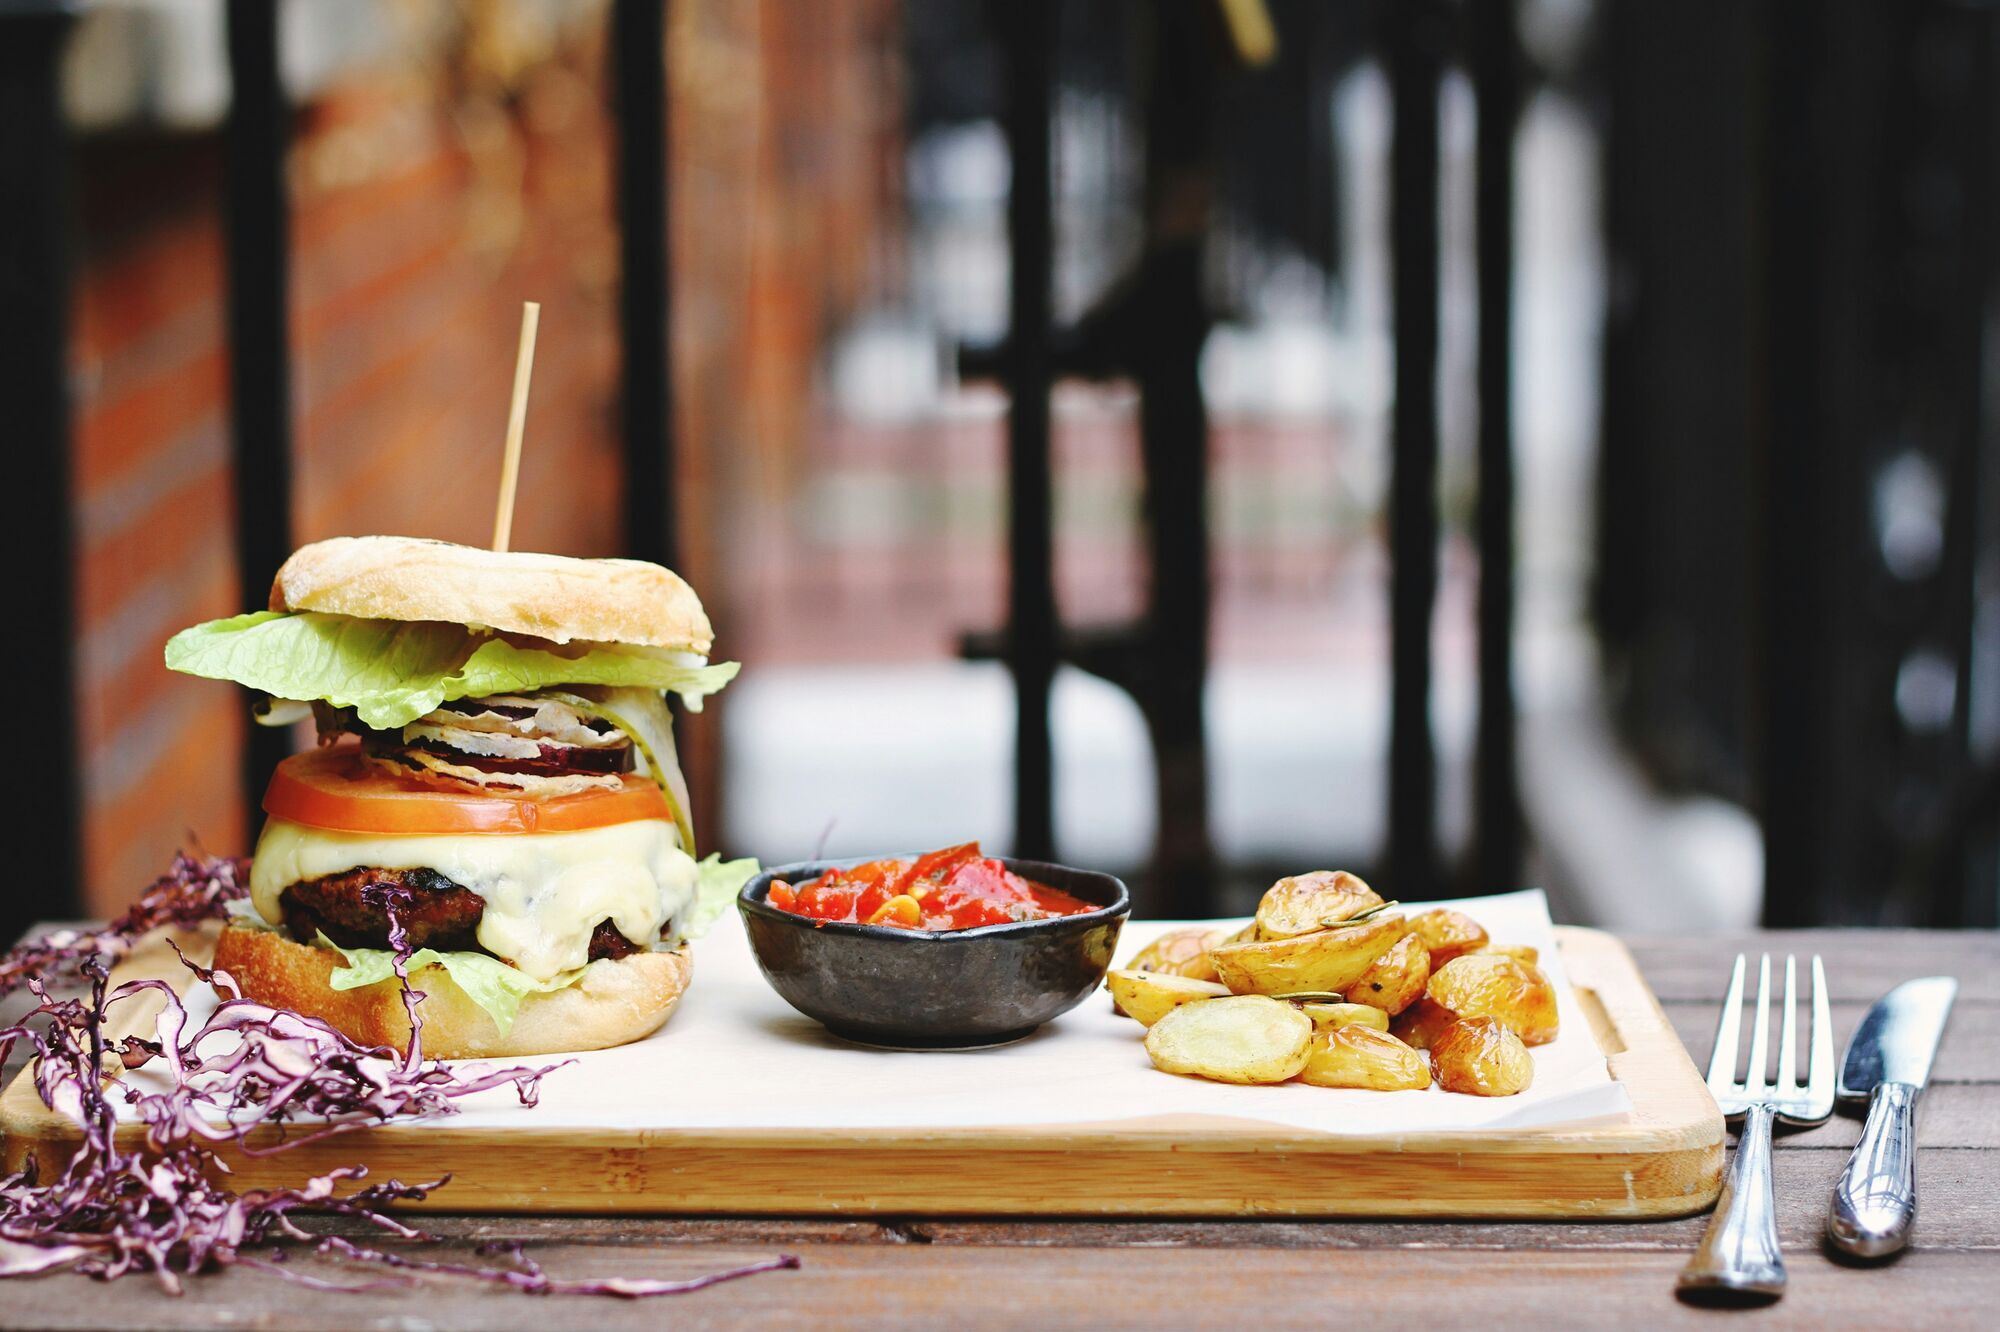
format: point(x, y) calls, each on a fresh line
point(953, 889)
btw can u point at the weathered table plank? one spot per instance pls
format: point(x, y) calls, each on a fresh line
point(1266, 1274)
point(876, 1287)
point(1697, 966)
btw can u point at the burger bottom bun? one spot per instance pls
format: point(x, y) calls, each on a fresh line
point(616, 1002)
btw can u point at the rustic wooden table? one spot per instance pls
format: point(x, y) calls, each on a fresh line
point(890, 1272)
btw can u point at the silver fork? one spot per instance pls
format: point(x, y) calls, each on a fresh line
point(1740, 1255)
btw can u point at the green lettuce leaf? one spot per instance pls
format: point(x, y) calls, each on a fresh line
point(487, 981)
point(391, 672)
point(715, 890)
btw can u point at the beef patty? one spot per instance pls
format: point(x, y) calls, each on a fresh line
point(438, 914)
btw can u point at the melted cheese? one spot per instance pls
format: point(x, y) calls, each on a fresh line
point(545, 892)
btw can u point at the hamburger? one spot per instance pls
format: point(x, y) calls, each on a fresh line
point(495, 775)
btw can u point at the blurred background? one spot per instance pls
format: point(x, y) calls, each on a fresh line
point(1475, 442)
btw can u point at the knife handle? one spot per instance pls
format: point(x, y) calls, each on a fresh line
point(1876, 1198)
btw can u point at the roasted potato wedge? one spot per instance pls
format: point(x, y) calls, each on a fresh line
point(1418, 1025)
point(1490, 985)
point(1180, 953)
point(1360, 1056)
point(1307, 903)
point(1519, 952)
point(1328, 961)
point(1328, 1014)
point(1481, 1057)
point(1242, 1038)
point(1448, 934)
point(1151, 995)
point(1396, 979)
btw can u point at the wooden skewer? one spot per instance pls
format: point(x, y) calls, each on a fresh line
point(517, 420)
point(1250, 27)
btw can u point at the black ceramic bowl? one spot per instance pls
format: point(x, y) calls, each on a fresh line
point(949, 990)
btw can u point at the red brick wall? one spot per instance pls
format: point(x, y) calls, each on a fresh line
point(152, 490)
point(428, 203)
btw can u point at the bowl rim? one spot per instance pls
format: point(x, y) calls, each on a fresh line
point(750, 900)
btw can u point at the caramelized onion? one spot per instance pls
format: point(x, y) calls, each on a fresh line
point(412, 761)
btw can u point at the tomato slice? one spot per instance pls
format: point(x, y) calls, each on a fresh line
point(336, 789)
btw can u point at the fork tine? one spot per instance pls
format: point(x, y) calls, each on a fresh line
point(1722, 1064)
point(1760, 1035)
point(1819, 1067)
point(1788, 1048)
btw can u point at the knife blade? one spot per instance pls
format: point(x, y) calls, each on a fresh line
point(1888, 1062)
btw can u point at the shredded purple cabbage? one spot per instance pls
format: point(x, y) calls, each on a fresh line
point(161, 1208)
point(193, 890)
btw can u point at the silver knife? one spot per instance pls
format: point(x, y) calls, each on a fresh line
point(1888, 1062)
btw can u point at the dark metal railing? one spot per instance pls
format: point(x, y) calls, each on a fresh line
point(1161, 661)
point(1815, 649)
point(1879, 805)
point(1151, 327)
point(1798, 498)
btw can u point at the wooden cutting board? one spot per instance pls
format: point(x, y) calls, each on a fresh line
point(1664, 1160)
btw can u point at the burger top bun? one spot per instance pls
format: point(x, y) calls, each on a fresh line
point(557, 597)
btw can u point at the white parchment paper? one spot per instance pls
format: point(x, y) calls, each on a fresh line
point(735, 1055)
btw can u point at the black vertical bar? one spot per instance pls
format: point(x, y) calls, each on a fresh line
point(1496, 86)
point(1416, 43)
point(1971, 898)
point(1956, 893)
point(260, 359)
point(639, 76)
point(1619, 585)
point(1795, 685)
point(1031, 599)
point(34, 384)
point(1180, 105)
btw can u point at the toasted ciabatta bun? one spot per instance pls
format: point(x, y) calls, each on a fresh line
point(557, 597)
point(615, 1002)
